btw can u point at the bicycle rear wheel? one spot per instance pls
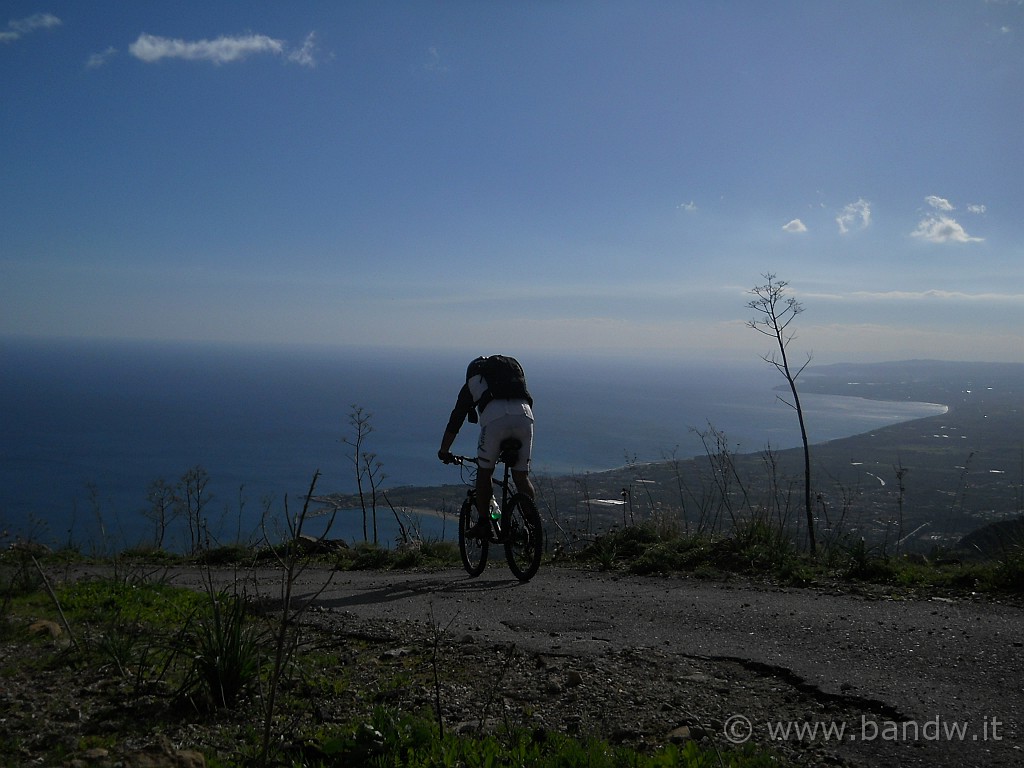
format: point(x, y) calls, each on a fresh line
point(472, 549)
point(524, 536)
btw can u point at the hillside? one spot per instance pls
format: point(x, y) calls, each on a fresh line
point(960, 470)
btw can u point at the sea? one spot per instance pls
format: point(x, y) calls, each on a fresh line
point(88, 426)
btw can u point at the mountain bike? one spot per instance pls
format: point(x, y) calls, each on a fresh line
point(518, 527)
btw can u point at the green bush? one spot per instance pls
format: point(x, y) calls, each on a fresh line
point(440, 551)
point(226, 649)
point(231, 554)
point(677, 554)
point(621, 545)
point(365, 557)
point(391, 738)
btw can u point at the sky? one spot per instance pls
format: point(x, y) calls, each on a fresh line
point(601, 177)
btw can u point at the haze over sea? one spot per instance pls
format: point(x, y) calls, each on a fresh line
point(115, 416)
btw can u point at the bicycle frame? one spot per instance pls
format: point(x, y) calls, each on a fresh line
point(505, 457)
point(519, 528)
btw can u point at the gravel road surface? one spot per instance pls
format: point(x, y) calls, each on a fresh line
point(910, 680)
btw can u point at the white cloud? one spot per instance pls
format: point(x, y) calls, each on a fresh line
point(858, 213)
point(976, 208)
point(151, 48)
point(306, 55)
point(690, 206)
point(942, 229)
point(99, 59)
point(17, 28)
point(939, 203)
point(795, 226)
point(222, 50)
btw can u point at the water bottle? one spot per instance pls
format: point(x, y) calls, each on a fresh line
point(495, 510)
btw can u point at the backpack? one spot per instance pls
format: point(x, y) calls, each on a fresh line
point(504, 377)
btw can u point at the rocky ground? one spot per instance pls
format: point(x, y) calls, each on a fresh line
point(634, 661)
point(638, 697)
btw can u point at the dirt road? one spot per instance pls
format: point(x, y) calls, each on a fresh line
point(927, 681)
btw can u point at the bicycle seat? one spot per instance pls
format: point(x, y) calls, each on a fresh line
point(508, 451)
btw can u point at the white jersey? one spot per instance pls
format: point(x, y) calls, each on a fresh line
point(496, 408)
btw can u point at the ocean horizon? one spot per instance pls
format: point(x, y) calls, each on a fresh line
point(87, 426)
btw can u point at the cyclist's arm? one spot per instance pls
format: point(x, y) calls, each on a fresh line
point(463, 408)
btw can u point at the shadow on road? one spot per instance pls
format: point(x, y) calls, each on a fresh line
point(412, 588)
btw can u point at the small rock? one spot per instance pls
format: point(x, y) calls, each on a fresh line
point(695, 677)
point(163, 755)
point(680, 735)
point(45, 625)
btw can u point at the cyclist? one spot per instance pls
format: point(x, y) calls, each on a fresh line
point(494, 394)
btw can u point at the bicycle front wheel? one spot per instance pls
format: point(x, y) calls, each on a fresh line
point(524, 541)
point(473, 549)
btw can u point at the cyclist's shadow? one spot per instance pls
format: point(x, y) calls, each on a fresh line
point(413, 588)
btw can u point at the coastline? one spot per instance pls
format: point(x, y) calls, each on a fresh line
point(967, 437)
point(86, 433)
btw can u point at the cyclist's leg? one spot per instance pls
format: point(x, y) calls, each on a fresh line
point(523, 483)
point(521, 471)
point(487, 456)
point(484, 490)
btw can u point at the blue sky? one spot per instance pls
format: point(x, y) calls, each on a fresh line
point(597, 176)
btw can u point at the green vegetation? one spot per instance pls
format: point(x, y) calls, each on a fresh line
point(759, 551)
point(415, 742)
point(160, 657)
point(150, 658)
point(423, 554)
